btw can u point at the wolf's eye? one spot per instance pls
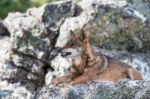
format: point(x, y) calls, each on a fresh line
point(64, 54)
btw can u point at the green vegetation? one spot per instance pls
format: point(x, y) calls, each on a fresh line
point(7, 6)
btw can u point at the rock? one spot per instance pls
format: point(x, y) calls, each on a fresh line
point(107, 90)
point(53, 15)
point(114, 25)
point(11, 91)
point(25, 31)
point(32, 38)
point(33, 54)
point(5, 48)
point(125, 89)
point(48, 77)
point(34, 33)
point(28, 71)
point(3, 30)
point(117, 30)
point(121, 29)
point(142, 6)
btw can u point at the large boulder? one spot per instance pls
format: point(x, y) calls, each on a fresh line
point(87, 14)
point(99, 90)
point(32, 55)
point(32, 39)
point(34, 32)
point(117, 30)
point(115, 24)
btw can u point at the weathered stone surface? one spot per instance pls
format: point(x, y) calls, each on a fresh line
point(124, 89)
point(115, 24)
point(32, 38)
point(14, 91)
point(53, 15)
point(5, 48)
point(34, 35)
point(25, 31)
point(99, 90)
point(30, 60)
point(121, 29)
point(142, 6)
point(8, 90)
point(117, 30)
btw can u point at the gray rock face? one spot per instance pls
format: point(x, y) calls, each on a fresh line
point(25, 31)
point(100, 90)
point(117, 30)
point(32, 38)
point(142, 6)
point(32, 56)
point(34, 35)
point(90, 9)
point(56, 14)
point(11, 91)
point(4, 55)
point(7, 71)
point(113, 25)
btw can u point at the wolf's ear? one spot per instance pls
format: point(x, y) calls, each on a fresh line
point(83, 33)
point(79, 38)
point(65, 54)
point(72, 33)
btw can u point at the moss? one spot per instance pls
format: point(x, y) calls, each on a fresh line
point(118, 31)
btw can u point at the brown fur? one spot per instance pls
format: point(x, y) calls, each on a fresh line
point(94, 67)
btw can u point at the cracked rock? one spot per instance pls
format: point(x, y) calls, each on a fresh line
point(33, 54)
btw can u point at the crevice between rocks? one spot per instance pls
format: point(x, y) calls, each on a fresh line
point(37, 79)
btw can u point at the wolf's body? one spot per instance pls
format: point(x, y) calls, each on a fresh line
point(90, 66)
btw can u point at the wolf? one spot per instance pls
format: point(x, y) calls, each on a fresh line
point(92, 66)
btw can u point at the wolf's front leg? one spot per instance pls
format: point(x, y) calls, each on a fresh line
point(63, 79)
point(79, 80)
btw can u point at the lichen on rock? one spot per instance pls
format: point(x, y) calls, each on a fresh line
point(99, 90)
point(30, 56)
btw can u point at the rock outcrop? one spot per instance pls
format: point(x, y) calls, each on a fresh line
point(31, 45)
point(99, 90)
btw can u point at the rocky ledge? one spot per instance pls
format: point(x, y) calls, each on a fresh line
point(31, 42)
point(99, 90)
